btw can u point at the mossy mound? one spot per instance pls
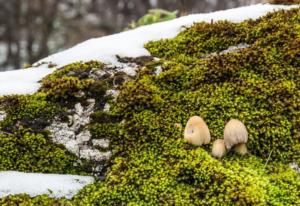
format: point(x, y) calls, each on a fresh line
point(258, 84)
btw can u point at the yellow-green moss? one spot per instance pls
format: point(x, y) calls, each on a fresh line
point(288, 2)
point(27, 111)
point(25, 200)
point(29, 152)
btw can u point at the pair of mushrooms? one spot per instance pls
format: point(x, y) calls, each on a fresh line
point(197, 133)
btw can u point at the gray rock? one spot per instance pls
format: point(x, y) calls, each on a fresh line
point(228, 50)
point(235, 48)
point(74, 138)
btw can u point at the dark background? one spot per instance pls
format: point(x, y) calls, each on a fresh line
point(33, 29)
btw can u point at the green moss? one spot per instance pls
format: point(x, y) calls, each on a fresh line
point(65, 88)
point(29, 152)
point(288, 2)
point(25, 200)
point(77, 69)
point(28, 111)
point(73, 83)
point(258, 85)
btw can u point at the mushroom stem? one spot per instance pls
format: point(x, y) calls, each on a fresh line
point(241, 149)
point(218, 148)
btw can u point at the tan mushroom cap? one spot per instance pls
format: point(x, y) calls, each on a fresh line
point(218, 148)
point(235, 133)
point(196, 131)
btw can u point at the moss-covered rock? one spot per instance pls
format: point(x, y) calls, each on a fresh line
point(258, 83)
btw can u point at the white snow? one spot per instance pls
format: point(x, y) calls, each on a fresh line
point(131, 43)
point(33, 184)
point(23, 81)
point(128, 43)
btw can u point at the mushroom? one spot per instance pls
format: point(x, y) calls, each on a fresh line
point(196, 131)
point(236, 135)
point(218, 148)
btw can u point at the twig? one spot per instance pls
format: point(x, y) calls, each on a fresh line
point(268, 159)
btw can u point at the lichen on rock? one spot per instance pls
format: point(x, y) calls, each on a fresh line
point(75, 136)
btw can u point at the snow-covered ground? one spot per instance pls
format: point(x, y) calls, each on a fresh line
point(23, 81)
point(34, 184)
point(129, 44)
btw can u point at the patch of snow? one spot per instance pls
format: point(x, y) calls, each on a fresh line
point(131, 43)
point(23, 81)
point(125, 44)
point(33, 184)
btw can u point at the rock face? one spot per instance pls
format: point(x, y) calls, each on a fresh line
point(76, 137)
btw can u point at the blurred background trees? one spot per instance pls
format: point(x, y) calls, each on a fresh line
point(33, 29)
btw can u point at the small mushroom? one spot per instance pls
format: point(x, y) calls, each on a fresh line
point(218, 148)
point(236, 135)
point(241, 149)
point(196, 131)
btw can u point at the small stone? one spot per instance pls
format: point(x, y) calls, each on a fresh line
point(295, 166)
point(78, 109)
point(103, 143)
point(106, 107)
point(94, 154)
point(158, 70)
point(113, 93)
point(2, 115)
point(79, 94)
